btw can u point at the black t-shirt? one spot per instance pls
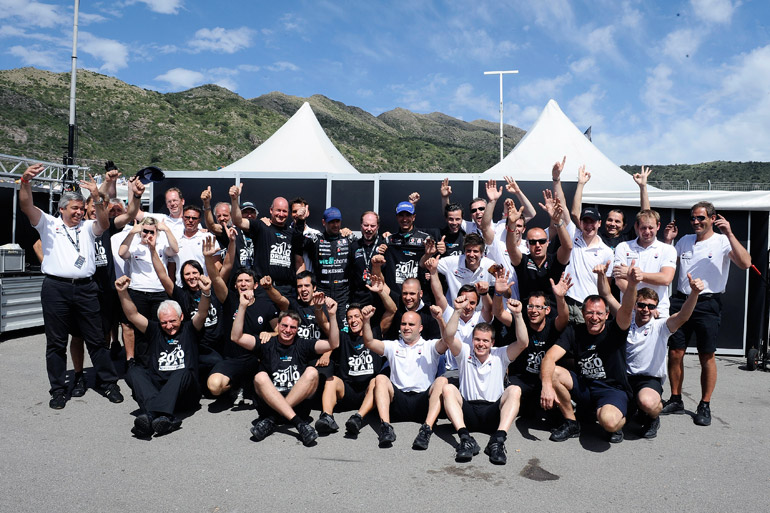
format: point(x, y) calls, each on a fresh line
point(258, 317)
point(430, 329)
point(626, 235)
point(355, 363)
point(167, 354)
point(211, 333)
point(285, 364)
point(403, 256)
point(244, 249)
point(533, 278)
point(308, 328)
point(528, 362)
point(453, 241)
point(601, 357)
point(274, 250)
point(360, 268)
point(105, 263)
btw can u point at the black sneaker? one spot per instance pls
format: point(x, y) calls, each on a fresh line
point(650, 428)
point(307, 434)
point(112, 392)
point(326, 424)
point(422, 439)
point(387, 434)
point(354, 424)
point(263, 428)
point(672, 406)
point(79, 390)
point(570, 429)
point(616, 437)
point(164, 425)
point(467, 449)
point(703, 414)
point(142, 426)
point(58, 400)
point(495, 449)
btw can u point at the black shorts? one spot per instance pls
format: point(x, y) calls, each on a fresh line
point(483, 416)
point(354, 396)
point(640, 381)
point(409, 406)
point(703, 323)
point(240, 369)
point(530, 386)
point(596, 393)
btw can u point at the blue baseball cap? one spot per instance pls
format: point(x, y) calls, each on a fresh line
point(332, 214)
point(405, 206)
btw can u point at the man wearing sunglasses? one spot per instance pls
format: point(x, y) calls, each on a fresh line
point(191, 242)
point(709, 254)
point(646, 346)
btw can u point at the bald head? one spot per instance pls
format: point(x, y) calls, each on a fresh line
point(279, 211)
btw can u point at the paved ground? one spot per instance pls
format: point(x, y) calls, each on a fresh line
point(84, 459)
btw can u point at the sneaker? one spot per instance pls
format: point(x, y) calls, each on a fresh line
point(616, 437)
point(467, 449)
point(79, 390)
point(703, 414)
point(112, 392)
point(672, 406)
point(570, 429)
point(495, 449)
point(422, 439)
point(142, 426)
point(387, 434)
point(263, 428)
point(307, 433)
point(58, 400)
point(354, 424)
point(164, 425)
point(650, 428)
point(326, 424)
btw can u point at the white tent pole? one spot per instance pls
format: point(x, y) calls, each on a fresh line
point(501, 73)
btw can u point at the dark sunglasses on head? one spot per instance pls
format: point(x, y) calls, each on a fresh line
point(532, 242)
point(478, 209)
point(648, 306)
point(697, 218)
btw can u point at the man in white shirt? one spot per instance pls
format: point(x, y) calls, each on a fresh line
point(191, 242)
point(469, 268)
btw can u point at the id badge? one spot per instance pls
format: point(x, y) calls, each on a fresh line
point(80, 261)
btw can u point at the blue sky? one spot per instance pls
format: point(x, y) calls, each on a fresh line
point(660, 82)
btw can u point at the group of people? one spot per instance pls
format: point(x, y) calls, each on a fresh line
point(481, 319)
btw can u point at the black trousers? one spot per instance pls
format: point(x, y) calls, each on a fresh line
point(179, 391)
point(73, 308)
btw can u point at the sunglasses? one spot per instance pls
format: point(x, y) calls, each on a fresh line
point(192, 218)
point(536, 307)
point(532, 242)
point(478, 209)
point(148, 232)
point(647, 306)
point(697, 218)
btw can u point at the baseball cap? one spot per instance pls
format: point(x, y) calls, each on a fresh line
point(332, 214)
point(248, 204)
point(150, 174)
point(591, 213)
point(405, 206)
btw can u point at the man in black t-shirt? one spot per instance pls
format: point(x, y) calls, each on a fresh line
point(599, 349)
point(220, 219)
point(405, 250)
point(453, 234)
point(410, 300)
point(285, 379)
point(363, 260)
point(170, 381)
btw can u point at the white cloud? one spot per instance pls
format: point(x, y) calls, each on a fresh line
point(161, 6)
point(283, 66)
point(602, 41)
point(464, 98)
point(180, 78)
point(227, 83)
point(714, 11)
point(582, 108)
point(586, 65)
point(681, 44)
point(113, 54)
point(365, 93)
point(519, 116)
point(34, 57)
point(656, 94)
point(222, 40)
point(248, 68)
point(293, 23)
point(473, 43)
point(545, 88)
point(749, 78)
point(554, 15)
point(33, 14)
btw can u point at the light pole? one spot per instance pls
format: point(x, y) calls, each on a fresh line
point(501, 73)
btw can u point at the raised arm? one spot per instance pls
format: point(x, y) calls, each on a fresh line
point(558, 192)
point(565, 241)
point(135, 191)
point(235, 207)
point(217, 282)
point(228, 264)
point(100, 208)
point(453, 343)
point(738, 253)
point(173, 247)
point(577, 201)
point(129, 308)
point(513, 188)
point(370, 342)
point(641, 180)
point(377, 286)
point(626, 311)
point(493, 194)
point(439, 297)
point(333, 342)
point(502, 287)
point(199, 319)
point(446, 192)
point(324, 322)
point(237, 335)
point(560, 292)
point(108, 187)
point(482, 289)
point(512, 235)
point(522, 337)
point(160, 269)
point(676, 321)
point(124, 251)
point(603, 286)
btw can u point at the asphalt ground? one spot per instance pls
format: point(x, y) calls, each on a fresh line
point(84, 459)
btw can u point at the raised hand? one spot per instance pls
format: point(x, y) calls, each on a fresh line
point(515, 306)
point(331, 307)
point(634, 275)
point(565, 283)
point(376, 284)
point(414, 198)
point(266, 282)
point(482, 287)
point(558, 167)
point(246, 297)
point(549, 202)
point(204, 282)
point(431, 265)
point(641, 178)
point(460, 303)
point(430, 247)
point(696, 285)
point(493, 191)
point(208, 247)
point(435, 312)
point(583, 175)
point(601, 268)
point(446, 189)
point(121, 284)
point(723, 225)
point(502, 285)
point(91, 187)
point(318, 299)
point(206, 196)
point(511, 185)
point(32, 171)
point(368, 312)
point(441, 245)
point(670, 232)
point(235, 191)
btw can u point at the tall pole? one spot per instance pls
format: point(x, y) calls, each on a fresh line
point(501, 73)
point(70, 157)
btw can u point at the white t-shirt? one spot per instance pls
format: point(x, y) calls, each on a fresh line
point(651, 259)
point(647, 347)
point(500, 233)
point(464, 332)
point(67, 252)
point(582, 261)
point(482, 381)
point(115, 241)
point(708, 260)
point(191, 248)
point(175, 224)
point(139, 266)
point(412, 368)
point(457, 274)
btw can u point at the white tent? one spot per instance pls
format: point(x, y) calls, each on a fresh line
point(299, 146)
point(551, 138)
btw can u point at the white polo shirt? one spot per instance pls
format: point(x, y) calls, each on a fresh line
point(647, 347)
point(708, 260)
point(139, 266)
point(582, 261)
point(482, 381)
point(64, 246)
point(651, 259)
point(115, 241)
point(500, 233)
point(175, 224)
point(191, 248)
point(464, 332)
point(412, 368)
point(457, 274)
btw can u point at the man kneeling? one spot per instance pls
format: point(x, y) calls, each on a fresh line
point(285, 380)
point(482, 401)
point(170, 383)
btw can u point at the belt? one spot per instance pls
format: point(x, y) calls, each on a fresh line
point(72, 281)
point(701, 297)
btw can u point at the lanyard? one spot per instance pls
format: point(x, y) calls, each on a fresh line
point(75, 243)
point(368, 258)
